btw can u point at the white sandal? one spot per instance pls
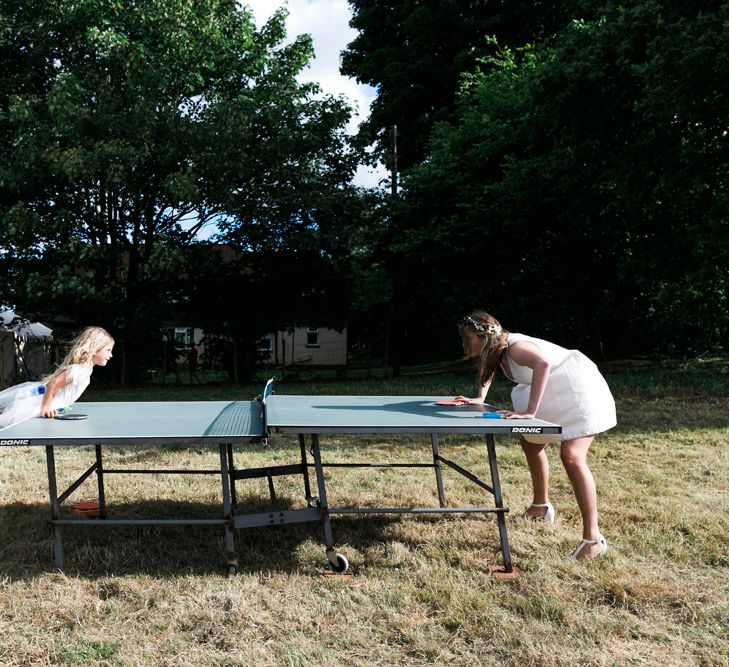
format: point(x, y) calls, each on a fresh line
point(548, 516)
point(601, 540)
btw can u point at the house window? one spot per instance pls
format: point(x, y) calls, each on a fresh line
point(265, 349)
point(312, 337)
point(183, 336)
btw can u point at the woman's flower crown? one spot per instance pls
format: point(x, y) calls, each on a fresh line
point(490, 329)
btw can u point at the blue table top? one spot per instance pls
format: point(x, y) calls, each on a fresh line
point(185, 422)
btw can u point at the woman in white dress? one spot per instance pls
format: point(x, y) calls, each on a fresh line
point(64, 386)
point(557, 385)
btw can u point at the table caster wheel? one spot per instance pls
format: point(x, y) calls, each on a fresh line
point(340, 565)
point(232, 559)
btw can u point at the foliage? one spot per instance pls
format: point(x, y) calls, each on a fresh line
point(414, 53)
point(581, 192)
point(128, 127)
point(276, 280)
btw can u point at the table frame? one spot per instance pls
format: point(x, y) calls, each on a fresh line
point(316, 507)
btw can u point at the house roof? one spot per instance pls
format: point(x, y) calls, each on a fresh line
point(10, 321)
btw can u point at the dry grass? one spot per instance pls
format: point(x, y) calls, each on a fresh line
point(422, 593)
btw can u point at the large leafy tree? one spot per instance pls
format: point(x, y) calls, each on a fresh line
point(414, 53)
point(126, 127)
point(582, 191)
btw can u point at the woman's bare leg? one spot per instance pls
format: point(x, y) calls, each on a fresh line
point(538, 463)
point(574, 458)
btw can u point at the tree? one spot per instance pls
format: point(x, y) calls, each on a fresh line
point(127, 127)
point(299, 276)
point(414, 53)
point(581, 191)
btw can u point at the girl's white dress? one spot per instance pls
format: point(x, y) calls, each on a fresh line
point(21, 402)
point(576, 396)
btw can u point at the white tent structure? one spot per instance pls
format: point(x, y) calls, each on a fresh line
point(25, 349)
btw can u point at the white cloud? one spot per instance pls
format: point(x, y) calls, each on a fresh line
point(327, 21)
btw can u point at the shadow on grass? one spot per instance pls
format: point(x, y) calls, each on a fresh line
point(93, 552)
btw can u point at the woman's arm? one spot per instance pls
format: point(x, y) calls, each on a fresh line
point(481, 398)
point(52, 387)
point(528, 354)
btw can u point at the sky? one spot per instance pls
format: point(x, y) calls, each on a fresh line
point(327, 21)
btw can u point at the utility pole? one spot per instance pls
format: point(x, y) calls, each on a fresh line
point(393, 166)
point(394, 329)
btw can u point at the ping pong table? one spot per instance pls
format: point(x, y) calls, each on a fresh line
point(235, 425)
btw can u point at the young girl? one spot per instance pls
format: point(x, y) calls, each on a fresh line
point(557, 385)
point(58, 390)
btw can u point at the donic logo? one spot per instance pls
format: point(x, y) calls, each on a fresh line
point(526, 429)
point(12, 443)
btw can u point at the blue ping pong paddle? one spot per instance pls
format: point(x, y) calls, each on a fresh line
point(492, 415)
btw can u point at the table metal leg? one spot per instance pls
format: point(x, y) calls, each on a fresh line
point(230, 553)
point(305, 469)
point(500, 516)
point(231, 475)
point(323, 506)
point(337, 561)
point(100, 482)
point(55, 508)
point(438, 469)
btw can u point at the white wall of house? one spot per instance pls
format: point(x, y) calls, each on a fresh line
point(308, 346)
point(184, 337)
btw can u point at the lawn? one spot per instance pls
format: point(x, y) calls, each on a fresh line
point(422, 592)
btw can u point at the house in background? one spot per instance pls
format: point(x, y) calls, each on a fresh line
point(306, 346)
point(183, 337)
point(302, 346)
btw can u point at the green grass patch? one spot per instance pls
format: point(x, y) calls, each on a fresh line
point(88, 652)
point(422, 593)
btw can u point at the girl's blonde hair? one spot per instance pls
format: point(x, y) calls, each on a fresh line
point(495, 342)
point(83, 347)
